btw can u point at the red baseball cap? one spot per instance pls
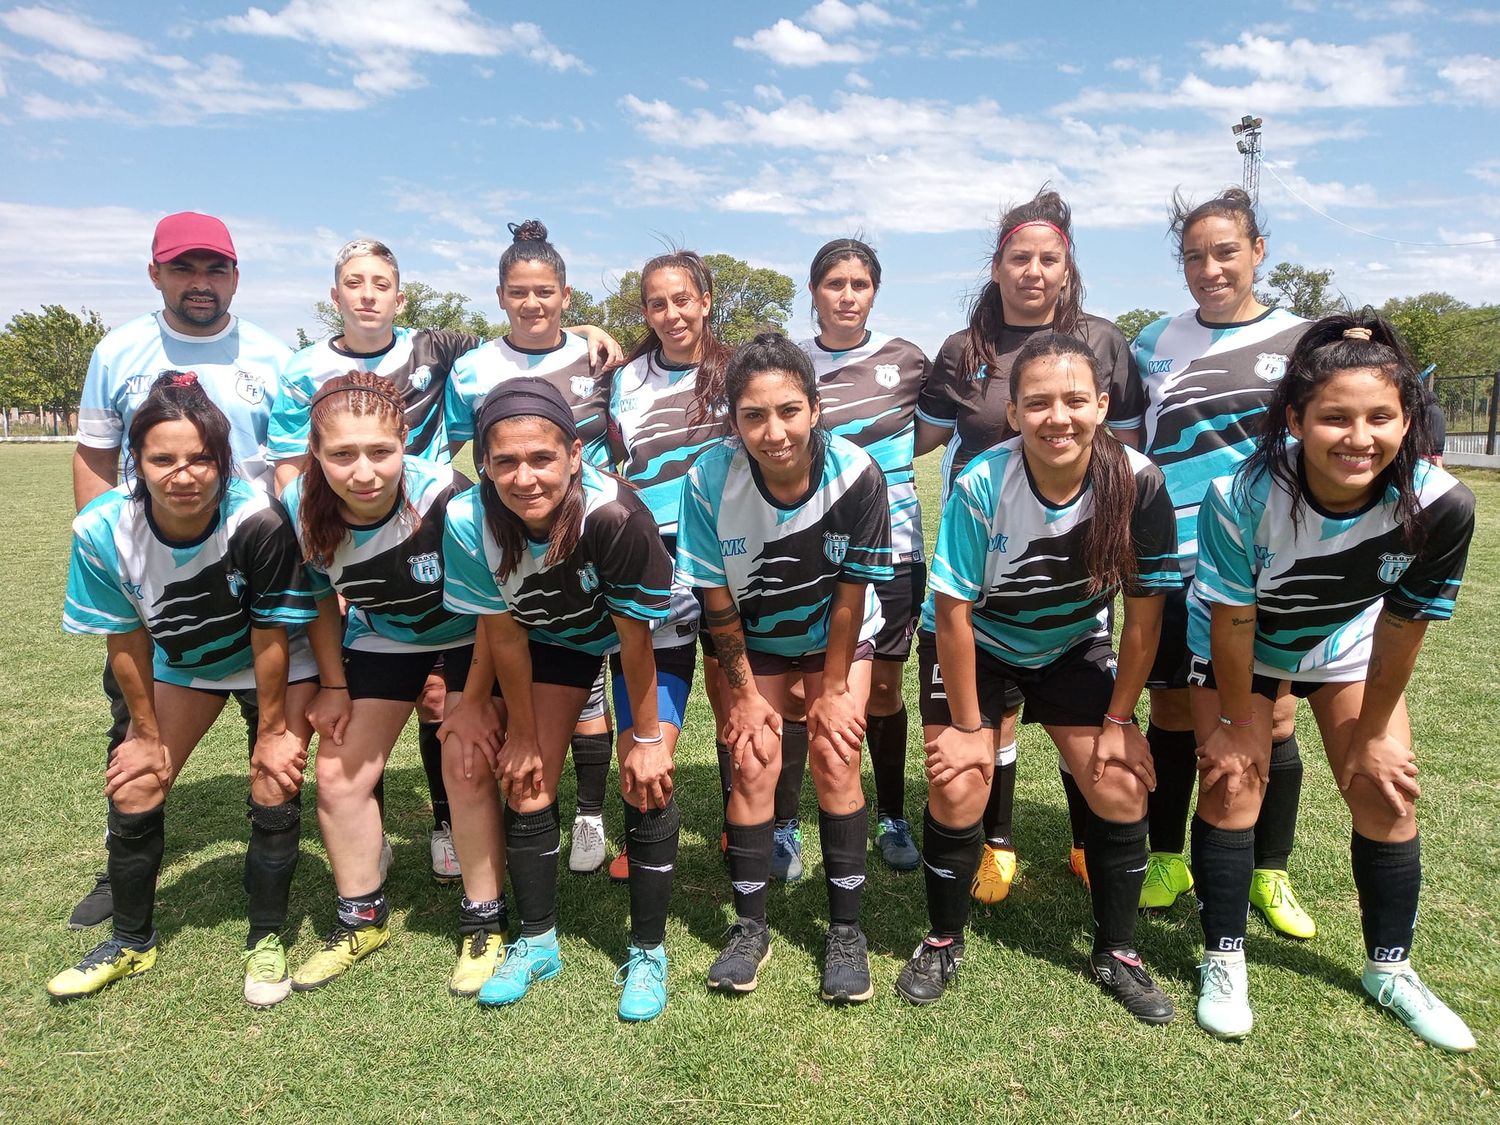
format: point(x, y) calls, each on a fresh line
point(188, 230)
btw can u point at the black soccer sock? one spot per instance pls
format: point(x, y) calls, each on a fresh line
point(432, 766)
point(359, 911)
point(886, 737)
point(950, 857)
point(482, 917)
point(1276, 826)
point(726, 772)
point(533, 841)
point(1389, 880)
point(1000, 809)
point(793, 770)
point(1078, 806)
point(845, 842)
point(1223, 862)
point(1115, 852)
point(1175, 756)
point(653, 856)
point(750, 867)
point(591, 754)
point(135, 848)
point(270, 860)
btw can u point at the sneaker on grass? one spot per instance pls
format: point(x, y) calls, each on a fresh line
point(445, 867)
point(1167, 877)
point(997, 871)
point(1271, 895)
point(95, 907)
point(746, 952)
point(846, 966)
point(527, 960)
point(786, 852)
point(1401, 992)
point(643, 979)
point(479, 955)
point(893, 840)
point(589, 850)
point(1121, 974)
point(1224, 996)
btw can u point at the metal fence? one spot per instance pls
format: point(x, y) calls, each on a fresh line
point(1469, 405)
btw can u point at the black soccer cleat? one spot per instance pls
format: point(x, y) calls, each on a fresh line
point(1121, 974)
point(95, 907)
point(924, 978)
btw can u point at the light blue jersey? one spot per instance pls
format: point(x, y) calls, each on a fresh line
point(237, 368)
point(1023, 561)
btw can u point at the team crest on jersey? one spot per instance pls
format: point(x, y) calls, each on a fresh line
point(588, 578)
point(421, 378)
point(1393, 566)
point(835, 547)
point(887, 375)
point(236, 582)
point(1270, 366)
point(249, 387)
point(426, 568)
point(583, 385)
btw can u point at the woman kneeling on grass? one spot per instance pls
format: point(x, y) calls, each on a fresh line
point(195, 578)
point(564, 563)
point(784, 530)
point(1320, 563)
point(1037, 537)
point(370, 521)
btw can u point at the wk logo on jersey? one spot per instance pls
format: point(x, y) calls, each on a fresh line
point(835, 547)
point(588, 578)
point(1159, 366)
point(1270, 366)
point(140, 384)
point(133, 589)
point(583, 385)
point(421, 378)
point(249, 387)
point(1263, 557)
point(998, 541)
point(1393, 566)
point(236, 582)
point(888, 375)
point(728, 548)
point(426, 568)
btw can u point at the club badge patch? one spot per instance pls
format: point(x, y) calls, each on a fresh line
point(1393, 566)
point(249, 387)
point(887, 375)
point(426, 568)
point(1270, 366)
point(588, 578)
point(236, 582)
point(835, 547)
point(421, 378)
point(583, 385)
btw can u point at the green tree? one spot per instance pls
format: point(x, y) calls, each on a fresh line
point(425, 308)
point(1131, 323)
point(747, 299)
point(582, 309)
point(1424, 323)
point(44, 357)
point(1302, 291)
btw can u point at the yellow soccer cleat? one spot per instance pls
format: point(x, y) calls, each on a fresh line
point(997, 871)
point(1167, 877)
point(340, 950)
point(1271, 895)
point(478, 959)
point(1078, 865)
point(106, 963)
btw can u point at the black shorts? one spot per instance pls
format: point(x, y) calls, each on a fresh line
point(566, 667)
point(1201, 674)
point(1073, 691)
point(1170, 669)
point(773, 664)
point(401, 676)
point(901, 606)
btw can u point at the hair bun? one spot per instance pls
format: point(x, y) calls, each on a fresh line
point(532, 230)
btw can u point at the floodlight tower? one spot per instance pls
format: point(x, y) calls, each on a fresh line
point(1247, 129)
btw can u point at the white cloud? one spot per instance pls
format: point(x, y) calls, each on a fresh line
point(834, 17)
point(1012, 51)
point(1485, 17)
point(771, 95)
point(72, 34)
point(1474, 78)
point(78, 72)
point(856, 81)
point(699, 84)
point(788, 44)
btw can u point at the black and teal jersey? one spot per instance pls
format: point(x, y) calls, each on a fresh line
point(566, 367)
point(1206, 392)
point(653, 414)
point(972, 403)
point(781, 562)
point(619, 567)
point(1022, 560)
point(417, 361)
point(198, 600)
point(391, 573)
point(868, 394)
point(1318, 587)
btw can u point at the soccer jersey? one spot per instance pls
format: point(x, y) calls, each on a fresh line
point(198, 600)
point(652, 410)
point(868, 394)
point(1023, 562)
point(1318, 589)
point(781, 562)
point(619, 567)
point(391, 572)
point(972, 403)
point(236, 368)
point(1206, 394)
point(566, 367)
point(417, 361)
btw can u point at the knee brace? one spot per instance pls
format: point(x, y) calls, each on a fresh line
point(275, 818)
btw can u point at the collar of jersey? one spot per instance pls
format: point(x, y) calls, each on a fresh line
point(184, 544)
point(557, 347)
point(814, 478)
point(1216, 327)
point(349, 353)
point(865, 339)
point(168, 330)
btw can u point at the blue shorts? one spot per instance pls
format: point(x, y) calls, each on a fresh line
point(674, 679)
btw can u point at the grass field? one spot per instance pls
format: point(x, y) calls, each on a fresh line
point(1022, 1037)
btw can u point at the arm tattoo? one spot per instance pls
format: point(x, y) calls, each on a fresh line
point(1238, 621)
point(732, 658)
point(721, 618)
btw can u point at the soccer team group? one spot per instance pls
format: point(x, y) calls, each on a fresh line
point(1252, 493)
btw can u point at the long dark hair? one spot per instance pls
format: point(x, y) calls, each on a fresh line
point(831, 254)
point(174, 397)
point(508, 528)
point(769, 351)
point(1108, 545)
point(1335, 344)
point(1232, 203)
point(357, 394)
point(987, 317)
point(713, 354)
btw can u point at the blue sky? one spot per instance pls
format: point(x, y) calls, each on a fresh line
point(756, 130)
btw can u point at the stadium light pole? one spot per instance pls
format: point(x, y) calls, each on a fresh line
point(1247, 129)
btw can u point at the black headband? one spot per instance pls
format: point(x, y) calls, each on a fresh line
point(527, 396)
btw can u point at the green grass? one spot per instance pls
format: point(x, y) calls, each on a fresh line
point(1022, 1037)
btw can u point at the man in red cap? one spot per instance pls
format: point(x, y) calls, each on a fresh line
point(195, 267)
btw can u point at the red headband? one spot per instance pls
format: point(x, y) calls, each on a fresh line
point(183, 379)
point(1033, 223)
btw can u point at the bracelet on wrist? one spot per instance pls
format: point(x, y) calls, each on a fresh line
point(967, 730)
point(1119, 720)
point(334, 687)
point(639, 741)
point(1228, 722)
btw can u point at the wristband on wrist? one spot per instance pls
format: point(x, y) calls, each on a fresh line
point(639, 741)
point(334, 687)
point(1120, 721)
point(1228, 722)
point(967, 730)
